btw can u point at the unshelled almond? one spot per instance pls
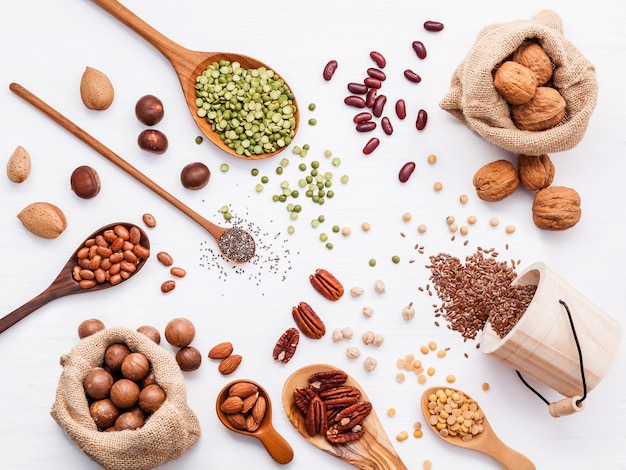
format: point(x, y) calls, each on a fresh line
point(229, 365)
point(221, 350)
point(96, 89)
point(43, 219)
point(19, 165)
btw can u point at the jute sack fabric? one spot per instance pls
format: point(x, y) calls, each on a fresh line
point(473, 99)
point(166, 434)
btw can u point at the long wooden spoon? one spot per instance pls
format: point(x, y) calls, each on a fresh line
point(486, 441)
point(275, 444)
point(65, 284)
point(188, 65)
point(373, 451)
point(235, 244)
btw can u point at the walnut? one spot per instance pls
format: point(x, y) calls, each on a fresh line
point(496, 180)
point(532, 55)
point(535, 172)
point(556, 208)
point(517, 84)
point(545, 110)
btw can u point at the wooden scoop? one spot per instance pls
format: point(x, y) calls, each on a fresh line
point(486, 442)
point(188, 65)
point(65, 284)
point(372, 451)
point(274, 443)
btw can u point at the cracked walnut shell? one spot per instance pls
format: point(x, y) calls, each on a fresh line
point(535, 171)
point(545, 110)
point(517, 84)
point(556, 208)
point(532, 56)
point(496, 180)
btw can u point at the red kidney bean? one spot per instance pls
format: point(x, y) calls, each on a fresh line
point(420, 49)
point(329, 70)
point(412, 76)
point(377, 73)
point(370, 98)
point(433, 26)
point(422, 117)
point(379, 105)
point(400, 109)
point(355, 101)
point(366, 126)
point(406, 171)
point(357, 88)
point(362, 117)
point(386, 125)
point(379, 59)
point(372, 82)
point(371, 145)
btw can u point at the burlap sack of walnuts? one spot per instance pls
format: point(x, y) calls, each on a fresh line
point(166, 435)
point(473, 99)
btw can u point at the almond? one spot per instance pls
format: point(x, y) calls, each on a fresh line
point(221, 350)
point(242, 389)
point(96, 89)
point(232, 405)
point(258, 410)
point(43, 219)
point(229, 364)
point(18, 166)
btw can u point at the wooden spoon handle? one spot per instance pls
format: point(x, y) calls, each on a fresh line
point(22, 312)
point(275, 444)
point(215, 230)
point(509, 458)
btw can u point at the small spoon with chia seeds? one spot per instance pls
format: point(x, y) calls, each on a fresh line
point(236, 245)
point(188, 65)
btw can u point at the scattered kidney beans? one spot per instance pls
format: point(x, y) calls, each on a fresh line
point(420, 49)
point(379, 105)
point(422, 117)
point(366, 126)
point(406, 171)
point(372, 82)
point(412, 76)
point(377, 73)
point(401, 109)
point(355, 101)
point(434, 26)
point(379, 59)
point(357, 88)
point(370, 98)
point(362, 117)
point(371, 145)
point(386, 125)
point(330, 69)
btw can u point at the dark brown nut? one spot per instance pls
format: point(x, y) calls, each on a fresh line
point(352, 415)
point(556, 208)
point(124, 393)
point(321, 381)
point(180, 332)
point(115, 354)
point(98, 384)
point(151, 398)
point(326, 284)
point(188, 358)
point(302, 396)
point(128, 421)
point(286, 345)
point(335, 436)
point(151, 332)
point(535, 172)
point(149, 110)
point(315, 419)
point(104, 413)
point(309, 323)
point(152, 140)
point(135, 366)
point(89, 327)
point(195, 175)
point(340, 397)
point(496, 180)
point(85, 182)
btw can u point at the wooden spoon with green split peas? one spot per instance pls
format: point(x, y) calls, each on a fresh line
point(486, 441)
point(189, 65)
point(65, 284)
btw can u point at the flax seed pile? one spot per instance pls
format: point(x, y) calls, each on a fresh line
point(476, 291)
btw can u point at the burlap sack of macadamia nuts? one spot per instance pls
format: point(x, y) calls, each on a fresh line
point(473, 99)
point(167, 433)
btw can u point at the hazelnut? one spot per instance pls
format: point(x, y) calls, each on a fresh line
point(180, 332)
point(149, 110)
point(89, 327)
point(128, 420)
point(98, 384)
point(188, 358)
point(151, 332)
point(135, 366)
point(124, 393)
point(152, 140)
point(496, 180)
point(85, 182)
point(195, 175)
point(104, 413)
point(115, 355)
point(151, 398)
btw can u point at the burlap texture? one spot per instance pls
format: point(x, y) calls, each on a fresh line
point(166, 435)
point(473, 99)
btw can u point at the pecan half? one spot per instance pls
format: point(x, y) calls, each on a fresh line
point(286, 345)
point(335, 436)
point(308, 321)
point(326, 284)
point(340, 397)
point(302, 396)
point(352, 416)
point(321, 381)
point(316, 421)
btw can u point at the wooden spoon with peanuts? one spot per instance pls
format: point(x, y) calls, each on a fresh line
point(373, 450)
point(484, 440)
